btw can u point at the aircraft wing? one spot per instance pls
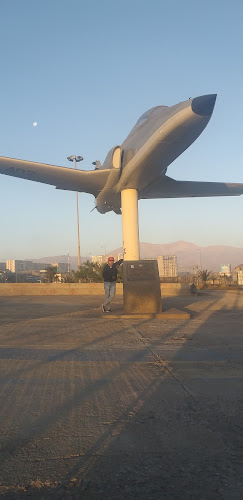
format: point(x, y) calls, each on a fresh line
point(71, 179)
point(166, 187)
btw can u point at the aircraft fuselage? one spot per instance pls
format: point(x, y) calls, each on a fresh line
point(140, 163)
point(158, 138)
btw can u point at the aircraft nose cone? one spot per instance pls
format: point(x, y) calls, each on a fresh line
point(204, 105)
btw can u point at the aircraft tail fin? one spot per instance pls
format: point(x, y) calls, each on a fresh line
point(170, 188)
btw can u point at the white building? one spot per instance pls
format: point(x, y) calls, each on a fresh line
point(238, 274)
point(19, 265)
point(167, 265)
point(99, 259)
point(225, 270)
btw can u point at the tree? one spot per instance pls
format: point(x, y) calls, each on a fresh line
point(70, 278)
point(8, 277)
point(50, 273)
point(89, 272)
point(204, 275)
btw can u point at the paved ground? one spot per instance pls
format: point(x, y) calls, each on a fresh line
point(99, 409)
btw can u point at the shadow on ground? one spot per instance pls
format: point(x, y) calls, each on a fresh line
point(124, 409)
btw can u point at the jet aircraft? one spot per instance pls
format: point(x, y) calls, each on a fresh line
point(141, 162)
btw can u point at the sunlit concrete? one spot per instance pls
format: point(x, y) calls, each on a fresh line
point(120, 409)
point(15, 289)
point(130, 229)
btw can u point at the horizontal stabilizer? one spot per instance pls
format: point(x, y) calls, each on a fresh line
point(166, 187)
point(62, 177)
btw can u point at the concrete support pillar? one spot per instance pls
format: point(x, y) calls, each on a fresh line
point(130, 232)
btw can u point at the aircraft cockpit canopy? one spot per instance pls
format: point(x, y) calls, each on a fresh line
point(144, 118)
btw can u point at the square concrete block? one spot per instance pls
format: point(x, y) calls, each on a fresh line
point(141, 287)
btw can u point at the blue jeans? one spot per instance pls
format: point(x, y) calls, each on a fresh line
point(110, 291)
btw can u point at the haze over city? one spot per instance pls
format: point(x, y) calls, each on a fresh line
point(76, 77)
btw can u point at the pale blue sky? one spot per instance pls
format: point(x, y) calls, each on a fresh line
point(85, 71)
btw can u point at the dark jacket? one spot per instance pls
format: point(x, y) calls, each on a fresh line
point(110, 273)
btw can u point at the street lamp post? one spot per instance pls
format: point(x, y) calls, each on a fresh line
point(76, 159)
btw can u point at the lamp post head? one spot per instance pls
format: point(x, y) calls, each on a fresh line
point(75, 158)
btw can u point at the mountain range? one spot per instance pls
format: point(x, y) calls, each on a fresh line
point(188, 255)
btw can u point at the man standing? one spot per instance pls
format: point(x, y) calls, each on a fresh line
point(110, 276)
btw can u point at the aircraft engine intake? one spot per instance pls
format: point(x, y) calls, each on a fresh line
point(113, 158)
point(108, 202)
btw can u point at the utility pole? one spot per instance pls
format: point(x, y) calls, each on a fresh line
point(76, 159)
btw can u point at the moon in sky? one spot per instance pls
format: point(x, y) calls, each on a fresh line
point(35, 124)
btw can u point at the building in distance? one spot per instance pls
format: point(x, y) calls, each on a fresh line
point(167, 265)
point(62, 267)
point(18, 266)
point(99, 259)
point(102, 259)
point(225, 270)
point(15, 266)
point(238, 274)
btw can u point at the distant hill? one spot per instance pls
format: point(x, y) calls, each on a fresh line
point(60, 258)
point(188, 255)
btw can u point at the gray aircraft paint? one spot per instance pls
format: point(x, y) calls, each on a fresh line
point(158, 138)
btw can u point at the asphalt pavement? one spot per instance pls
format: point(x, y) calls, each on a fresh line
point(121, 409)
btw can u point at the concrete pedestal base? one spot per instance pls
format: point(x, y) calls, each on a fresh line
point(141, 287)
